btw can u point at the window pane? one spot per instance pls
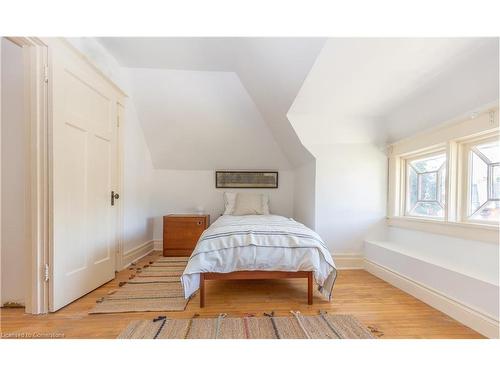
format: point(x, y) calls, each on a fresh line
point(490, 211)
point(430, 164)
point(479, 183)
point(491, 150)
point(495, 182)
point(412, 189)
point(484, 182)
point(426, 186)
point(428, 209)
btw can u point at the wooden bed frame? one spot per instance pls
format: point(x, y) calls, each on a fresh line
point(257, 275)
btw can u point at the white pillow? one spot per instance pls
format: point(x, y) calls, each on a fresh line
point(251, 204)
point(229, 202)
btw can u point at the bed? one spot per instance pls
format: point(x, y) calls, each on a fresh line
point(259, 247)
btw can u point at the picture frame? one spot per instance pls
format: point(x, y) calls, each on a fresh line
point(246, 179)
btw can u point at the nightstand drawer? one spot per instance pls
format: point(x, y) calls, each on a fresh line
point(181, 233)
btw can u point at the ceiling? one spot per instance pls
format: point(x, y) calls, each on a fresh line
point(285, 95)
point(380, 90)
point(270, 71)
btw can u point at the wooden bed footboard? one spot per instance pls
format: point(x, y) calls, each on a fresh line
point(258, 275)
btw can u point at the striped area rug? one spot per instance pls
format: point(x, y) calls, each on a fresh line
point(154, 287)
point(295, 326)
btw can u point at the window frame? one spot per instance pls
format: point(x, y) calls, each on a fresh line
point(466, 149)
point(405, 192)
point(453, 137)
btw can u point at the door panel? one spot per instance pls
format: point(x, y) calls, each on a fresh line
point(73, 198)
point(99, 199)
point(84, 153)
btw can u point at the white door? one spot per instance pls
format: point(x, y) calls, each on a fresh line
point(84, 163)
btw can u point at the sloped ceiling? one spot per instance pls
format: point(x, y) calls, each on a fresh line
point(202, 120)
point(266, 102)
point(381, 90)
point(207, 103)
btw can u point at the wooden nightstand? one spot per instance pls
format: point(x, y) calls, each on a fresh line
point(181, 233)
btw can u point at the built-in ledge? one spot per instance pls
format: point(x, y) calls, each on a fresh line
point(471, 300)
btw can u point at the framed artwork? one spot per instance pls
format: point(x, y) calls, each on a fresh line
point(246, 179)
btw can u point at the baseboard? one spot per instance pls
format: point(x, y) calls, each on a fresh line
point(158, 245)
point(136, 253)
point(466, 315)
point(12, 304)
point(348, 261)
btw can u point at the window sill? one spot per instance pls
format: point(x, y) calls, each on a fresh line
point(468, 231)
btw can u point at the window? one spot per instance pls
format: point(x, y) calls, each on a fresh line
point(447, 180)
point(484, 182)
point(426, 186)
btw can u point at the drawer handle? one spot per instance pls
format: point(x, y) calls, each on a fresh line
point(200, 222)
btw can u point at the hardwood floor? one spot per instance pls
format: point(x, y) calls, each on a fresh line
point(374, 302)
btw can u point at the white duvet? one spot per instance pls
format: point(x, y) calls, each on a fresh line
point(259, 242)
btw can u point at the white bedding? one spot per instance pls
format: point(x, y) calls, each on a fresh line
point(259, 242)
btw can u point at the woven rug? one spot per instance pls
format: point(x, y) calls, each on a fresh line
point(295, 326)
point(154, 287)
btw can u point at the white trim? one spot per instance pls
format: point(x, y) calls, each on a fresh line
point(450, 136)
point(464, 314)
point(120, 227)
point(468, 231)
point(406, 161)
point(348, 261)
point(84, 57)
point(136, 253)
point(453, 137)
point(38, 174)
point(466, 149)
point(481, 124)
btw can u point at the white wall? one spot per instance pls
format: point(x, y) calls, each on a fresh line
point(304, 194)
point(14, 169)
point(351, 183)
point(137, 182)
point(182, 191)
point(138, 167)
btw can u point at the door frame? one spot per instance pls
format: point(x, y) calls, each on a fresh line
point(37, 120)
point(120, 224)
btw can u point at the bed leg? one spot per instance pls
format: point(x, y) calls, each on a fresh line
point(202, 290)
point(310, 288)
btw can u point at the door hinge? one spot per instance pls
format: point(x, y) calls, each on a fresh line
point(46, 73)
point(46, 273)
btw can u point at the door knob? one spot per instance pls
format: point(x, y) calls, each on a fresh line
point(113, 197)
